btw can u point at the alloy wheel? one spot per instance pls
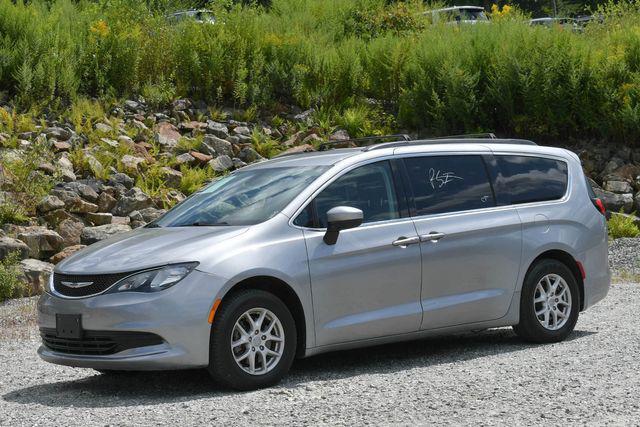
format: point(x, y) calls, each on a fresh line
point(257, 341)
point(552, 302)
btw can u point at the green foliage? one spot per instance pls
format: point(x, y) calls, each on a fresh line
point(10, 213)
point(194, 178)
point(264, 145)
point(621, 225)
point(11, 286)
point(506, 77)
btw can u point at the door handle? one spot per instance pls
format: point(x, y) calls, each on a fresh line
point(432, 237)
point(403, 242)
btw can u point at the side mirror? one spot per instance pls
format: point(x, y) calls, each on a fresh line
point(341, 218)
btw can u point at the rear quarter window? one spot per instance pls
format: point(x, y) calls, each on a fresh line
point(527, 179)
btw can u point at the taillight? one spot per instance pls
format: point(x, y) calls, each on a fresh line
point(599, 204)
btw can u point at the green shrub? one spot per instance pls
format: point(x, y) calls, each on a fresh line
point(194, 178)
point(11, 286)
point(621, 225)
point(10, 213)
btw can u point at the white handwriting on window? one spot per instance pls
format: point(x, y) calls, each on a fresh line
point(439, 179)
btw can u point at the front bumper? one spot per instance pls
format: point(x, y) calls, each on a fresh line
point(178, 315)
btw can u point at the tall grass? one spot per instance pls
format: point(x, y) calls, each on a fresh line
point(505, 77)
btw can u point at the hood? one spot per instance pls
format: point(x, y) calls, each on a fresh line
point(145, 248)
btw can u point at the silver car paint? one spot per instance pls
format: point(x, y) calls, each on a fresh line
point(361, 291)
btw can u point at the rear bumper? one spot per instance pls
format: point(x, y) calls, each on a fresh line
point(596, 287)
point(177, 315)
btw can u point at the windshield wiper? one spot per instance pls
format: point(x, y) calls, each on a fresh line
point(152, 225)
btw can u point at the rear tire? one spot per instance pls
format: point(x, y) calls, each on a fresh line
point(243, 359)
point(549, 303)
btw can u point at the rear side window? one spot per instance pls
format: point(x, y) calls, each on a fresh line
point(449, 183)
point(525, 179)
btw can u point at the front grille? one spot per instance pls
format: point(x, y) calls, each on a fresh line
point(99, 283)
point(98, 343)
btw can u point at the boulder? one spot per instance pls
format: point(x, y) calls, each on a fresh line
point(221, 163)
point(122, 179)
point(185, 159)
point(101, 232)
point(200, 157)
point(339, 135)
point(83, 190)
point(181, 104)
point(103, 128)
point(298, 149)
point(215, 146)
point(9, 245)
point(619, 187)
point(70, 231)
point(99, 218)
point(636, 203)
point(55, 217)
point(151, 214)
point(615, 202)
point(60, 134)
point(242, 130)
point(171, 177)
point(132, 106)
point(66, 253)
point(42, 242)
point(36, 274)
point(311, 139)
point(305, 117)
point(218, 129)
point(167, 134)
point(249, 155)
point(106, 202)
point(132, 200)
point(131, 163)
point(49, 203)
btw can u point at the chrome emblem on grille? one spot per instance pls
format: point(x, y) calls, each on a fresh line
point(77, 284)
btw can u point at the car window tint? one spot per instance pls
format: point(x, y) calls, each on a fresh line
point(525, 179)
point(369, 188)
point(449, 183)
point(305, 217)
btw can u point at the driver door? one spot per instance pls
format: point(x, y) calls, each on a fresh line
point(364, 286)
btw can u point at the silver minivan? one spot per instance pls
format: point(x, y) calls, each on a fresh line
point(337, 249)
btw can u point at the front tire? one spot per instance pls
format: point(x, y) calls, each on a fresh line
point(253, 341)
point(549, 303)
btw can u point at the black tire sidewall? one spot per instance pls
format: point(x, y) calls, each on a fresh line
point(222, 365)
point(529, 327)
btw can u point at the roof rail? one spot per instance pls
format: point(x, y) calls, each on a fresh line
point(327, 145)
point(456, 139)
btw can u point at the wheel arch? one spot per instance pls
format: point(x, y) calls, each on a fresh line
point(284, 292)
point(568, 260)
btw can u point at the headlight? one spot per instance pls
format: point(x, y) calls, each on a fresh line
point(155, 280)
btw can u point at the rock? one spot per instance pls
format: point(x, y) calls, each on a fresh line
point(294, 139)
point(103, 128)
point(131, 163)
point(47, 168)
point(132, 200)
point(619, 187)
point(339, 135)
point(94, 164)
point(66, 253)
point(136, 216)
point(242, 130)
point(120, 220)
point(298, 149)
point(60, 146)
point(67, 175)
point(305, 117)
point(55, 217)
point(167, 134)
point(191, 125)
point(49, 203)
point(171, 177)
point(185, 159)
point(615, 202)
point(139, 125)
point(249, 155)
point(242, 139)
point(60, 134)
point(217, 129)
point(106, 202)
point(122, 179)
point(42, 242)
point(200, 157)
point(636, 203)
point(132, 106)
point(180, 104)
point(83, 207)
point(36, 274)
point(83, 190)
point(9, 245)
point(110, 142)
point(237, 163)
point(151, 214)
point(221, 163)
point(174, 197)
point(311, 139)
point(99, 218)
point(70, 231)
point(95, 234)
point(216, 147)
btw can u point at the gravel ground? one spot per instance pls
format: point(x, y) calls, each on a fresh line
point(487, 378)
point(624, 257)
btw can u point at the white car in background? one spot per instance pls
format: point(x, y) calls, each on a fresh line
point(459, 15)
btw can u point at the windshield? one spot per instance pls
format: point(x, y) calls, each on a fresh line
point(472, 15)
point(245, 197)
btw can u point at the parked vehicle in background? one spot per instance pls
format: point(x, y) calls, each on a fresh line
point(316, 252)
point(564, 23)
point(458, 15)
point(202, 16)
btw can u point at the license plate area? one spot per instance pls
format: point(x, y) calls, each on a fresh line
point(69, 326)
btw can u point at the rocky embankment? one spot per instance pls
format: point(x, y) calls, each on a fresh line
point(92, 201)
